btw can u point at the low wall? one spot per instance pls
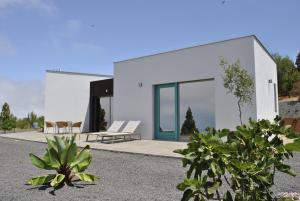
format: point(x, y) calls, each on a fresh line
point(289, 109)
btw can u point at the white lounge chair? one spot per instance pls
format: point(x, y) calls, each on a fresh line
point(129, 130)
point(114, 128)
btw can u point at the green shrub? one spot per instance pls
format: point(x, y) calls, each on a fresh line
point(62, 156)
point(246, 159)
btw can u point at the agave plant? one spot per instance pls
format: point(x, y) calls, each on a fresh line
point(62, 155)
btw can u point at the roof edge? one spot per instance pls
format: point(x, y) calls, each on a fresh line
point(263, 47)
point(77, 73)
point(211, 43)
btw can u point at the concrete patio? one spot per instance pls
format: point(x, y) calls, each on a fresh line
point(147, 147)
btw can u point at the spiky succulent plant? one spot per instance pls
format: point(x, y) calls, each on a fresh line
point(62, 155)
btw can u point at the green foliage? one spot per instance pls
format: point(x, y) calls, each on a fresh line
point(63, 157)
point(31, 118)
point(246, 160)
point(22, 123)
point(298, 62)
point(294, 146)
point(189, 125)
point(238, 82)
point(40, 121)
point(7, 120)
point(286, 199)
point(287, 74)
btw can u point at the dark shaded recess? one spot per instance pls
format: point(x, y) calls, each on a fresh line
point(98, 89)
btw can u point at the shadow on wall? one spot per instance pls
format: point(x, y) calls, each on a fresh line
point(85, 125)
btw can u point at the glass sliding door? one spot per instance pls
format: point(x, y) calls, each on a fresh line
point(166, 111)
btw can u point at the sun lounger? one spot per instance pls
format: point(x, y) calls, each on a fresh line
point(129, 130)
point(114, 128)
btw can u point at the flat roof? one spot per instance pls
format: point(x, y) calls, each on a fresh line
point(212, 43)
point(77, 73)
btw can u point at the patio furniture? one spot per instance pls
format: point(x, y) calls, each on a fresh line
point(76, 125)
point(48, 125)
point(114, 127)
point(129, 130)
point(62, 125)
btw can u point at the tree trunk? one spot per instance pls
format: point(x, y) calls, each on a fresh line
point(240, 111)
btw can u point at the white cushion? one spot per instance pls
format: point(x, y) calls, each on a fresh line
point(115, 126)
point(131, 127)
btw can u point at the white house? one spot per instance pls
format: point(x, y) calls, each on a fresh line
point(158, 89)
point(67, 96)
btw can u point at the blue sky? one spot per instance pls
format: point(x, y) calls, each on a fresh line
point(89, 35)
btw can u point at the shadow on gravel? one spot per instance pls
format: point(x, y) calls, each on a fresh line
point(52, 192)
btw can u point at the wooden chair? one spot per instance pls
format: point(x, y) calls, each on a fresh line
point(50, 124)
point(62, 125)
point(76, 125)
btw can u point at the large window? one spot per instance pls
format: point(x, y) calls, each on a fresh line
point(199, 97)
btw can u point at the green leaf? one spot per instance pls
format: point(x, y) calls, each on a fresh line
point(37, 162)
point(188, 193)
point(69, 153)
point(86, 177)
point(54, 159)
point(57, 180)
point(52, 144)
point(182, 186)
point(41, 180)
point(286, 169)
point(82, 156)
point(212, 190)
point(82, 166)
point(294, 146)
point(60, 144)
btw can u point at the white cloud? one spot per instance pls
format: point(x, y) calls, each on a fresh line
point(6, 48)
point(41, 5)
point(22, 96)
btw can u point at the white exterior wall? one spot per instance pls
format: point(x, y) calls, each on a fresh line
point(67, 97)
point(265, 69)
point(132, 102)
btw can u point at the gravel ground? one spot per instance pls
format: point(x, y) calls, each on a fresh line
point(122, 176)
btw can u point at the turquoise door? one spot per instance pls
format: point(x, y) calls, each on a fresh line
point(166, 112)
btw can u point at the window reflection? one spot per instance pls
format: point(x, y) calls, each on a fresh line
point(167, 109)
point(196, 104)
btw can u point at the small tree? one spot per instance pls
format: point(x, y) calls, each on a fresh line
point(189, 125)
point(298, 62)
point(6, 118)
point(41, 121)
point(31, 118)
point(287, 74)
point(103, 123)
point(238, 82)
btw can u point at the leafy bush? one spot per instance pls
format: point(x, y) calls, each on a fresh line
point(62, 156)
point(7, 120)
point(246, 159)
point(41, 122)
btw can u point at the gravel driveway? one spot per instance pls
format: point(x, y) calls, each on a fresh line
point(122, 176)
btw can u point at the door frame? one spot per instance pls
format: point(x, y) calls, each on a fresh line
point(174, 136)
